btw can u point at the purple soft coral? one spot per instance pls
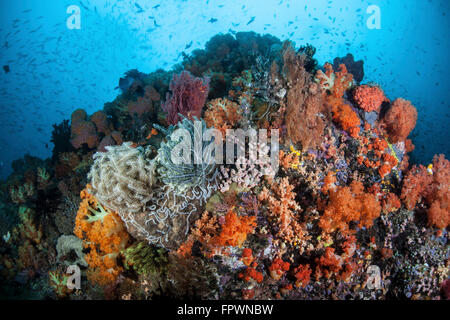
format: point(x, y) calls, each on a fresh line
point(188, 97)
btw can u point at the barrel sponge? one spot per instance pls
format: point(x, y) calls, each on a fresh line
point(122, 178)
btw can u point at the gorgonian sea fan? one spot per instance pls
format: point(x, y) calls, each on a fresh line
point(188, 96)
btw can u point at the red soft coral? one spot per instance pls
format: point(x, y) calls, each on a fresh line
point(303, 275)
point(369, 98)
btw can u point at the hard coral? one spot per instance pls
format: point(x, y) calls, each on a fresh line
point(369, 98)
point(143, 104)
point(400, 120)
point(187, 98)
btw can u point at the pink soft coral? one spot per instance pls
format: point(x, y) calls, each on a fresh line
point(432, 185)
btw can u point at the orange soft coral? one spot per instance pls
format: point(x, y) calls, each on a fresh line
point(282, 209)
point(348, 204)
point(215, 235)
point(222, 114)
point(344, 115)
point(334, 82)
point(329, 182)
point(235, 229)
point(400, 120)
point(103, 232)
point(369, 98)
point(414, 185)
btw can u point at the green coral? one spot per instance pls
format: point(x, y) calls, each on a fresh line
point(146, 259)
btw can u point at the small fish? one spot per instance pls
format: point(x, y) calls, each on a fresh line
point(6, 68)
point(251, 20)
point(212, 20)
point(188, 45)
point(156, 7)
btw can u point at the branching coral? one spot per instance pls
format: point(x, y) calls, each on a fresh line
point(249, 170)
point(400, 120)
point(348, 204)
point(103, 232)
point(188, 97)
point(283, 210)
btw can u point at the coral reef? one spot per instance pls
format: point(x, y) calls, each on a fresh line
point(344, 201)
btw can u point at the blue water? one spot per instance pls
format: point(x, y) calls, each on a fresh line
point(54, 70)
